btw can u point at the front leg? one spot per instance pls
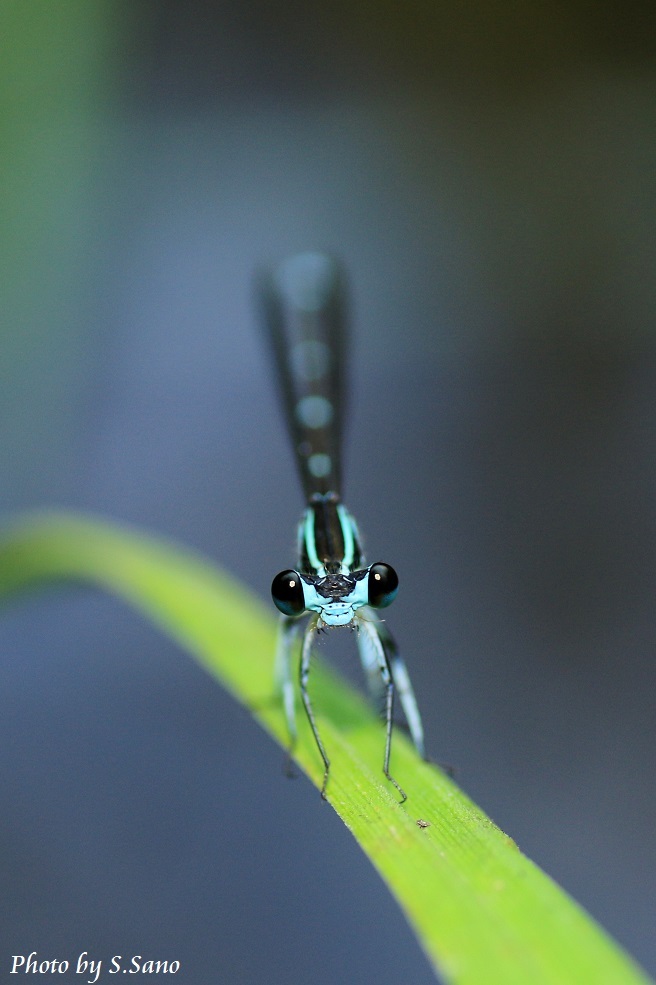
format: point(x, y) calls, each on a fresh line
point(370, 631)
point(306, 653)
point(287, 635)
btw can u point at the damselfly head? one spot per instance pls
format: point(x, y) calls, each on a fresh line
point(335, 597)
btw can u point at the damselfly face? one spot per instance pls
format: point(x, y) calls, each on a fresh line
point(335, 597)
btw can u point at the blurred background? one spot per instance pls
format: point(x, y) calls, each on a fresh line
point(486, 173)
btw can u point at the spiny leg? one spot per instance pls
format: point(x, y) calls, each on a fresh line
point(404, 688)
point(370, 665)
point(304, 675)
point(287, 634)
point(370, 629)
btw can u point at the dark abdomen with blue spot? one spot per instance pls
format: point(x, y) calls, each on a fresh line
point(304, 302)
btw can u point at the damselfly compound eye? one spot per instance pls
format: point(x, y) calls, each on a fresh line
point(383, 585)
point(287, 593)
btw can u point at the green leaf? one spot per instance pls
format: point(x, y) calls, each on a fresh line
point(480, 909)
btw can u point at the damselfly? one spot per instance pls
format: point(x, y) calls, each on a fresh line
point(332, 584)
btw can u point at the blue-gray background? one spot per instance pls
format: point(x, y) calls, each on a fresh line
point(487, 176)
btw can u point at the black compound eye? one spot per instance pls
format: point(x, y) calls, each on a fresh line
point(383, 584)
point(287, 593)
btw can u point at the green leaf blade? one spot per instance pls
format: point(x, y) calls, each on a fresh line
point(483, 913)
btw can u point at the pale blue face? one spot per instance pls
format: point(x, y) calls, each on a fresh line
point(335, 611)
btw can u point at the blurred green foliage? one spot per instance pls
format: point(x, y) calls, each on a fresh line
point(55, 92)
